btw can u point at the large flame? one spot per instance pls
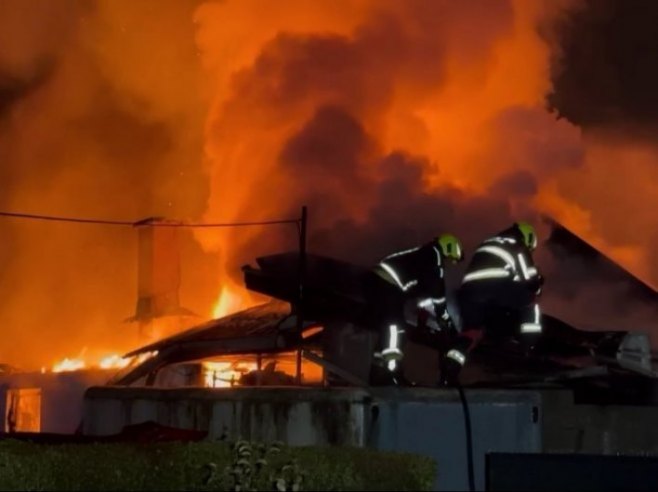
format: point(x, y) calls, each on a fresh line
point(389, 118)
point(228, 302)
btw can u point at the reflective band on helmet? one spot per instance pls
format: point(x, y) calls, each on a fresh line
point(531, 328)
point(457, 356)
point(486, 273)
point(499, 252)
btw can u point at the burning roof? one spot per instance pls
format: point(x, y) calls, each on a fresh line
point(262, 329)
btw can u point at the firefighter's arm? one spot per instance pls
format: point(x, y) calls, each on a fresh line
point(435, 301)
point(530, 274)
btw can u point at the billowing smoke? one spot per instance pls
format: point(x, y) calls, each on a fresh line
point(605, 79)
point(101, 115)
point(418, 118)
point(393, 120)
point(414, 118)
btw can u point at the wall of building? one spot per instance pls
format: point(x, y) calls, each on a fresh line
point(61, 396)
point(597, 429)
point(424, 421)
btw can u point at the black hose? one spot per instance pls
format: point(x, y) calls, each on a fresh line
point(469, 437)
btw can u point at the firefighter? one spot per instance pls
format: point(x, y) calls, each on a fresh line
point(498, 296)
point(408, 289)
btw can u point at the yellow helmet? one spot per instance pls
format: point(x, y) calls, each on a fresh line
point(529, 234)
point(451, 247)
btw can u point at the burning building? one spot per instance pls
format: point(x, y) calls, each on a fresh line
point(215, 378)
point(392, 120)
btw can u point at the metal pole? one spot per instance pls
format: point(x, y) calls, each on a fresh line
point(259, 369)
point(300, 291)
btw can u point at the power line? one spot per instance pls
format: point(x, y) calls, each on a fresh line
point(228, 224)
point(151, 222)
point(52, 218)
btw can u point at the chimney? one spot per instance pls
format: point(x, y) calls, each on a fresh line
point(158, 271)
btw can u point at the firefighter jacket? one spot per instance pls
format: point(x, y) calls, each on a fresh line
point(504, 257)
point(418, 273)
point(504, 263)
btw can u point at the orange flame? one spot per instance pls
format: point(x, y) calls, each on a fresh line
point(109, 362)
point(113, 361)
point(227, 303)
point(225, 374)
point(449, 101)
point(232, 298)
point(68, 365)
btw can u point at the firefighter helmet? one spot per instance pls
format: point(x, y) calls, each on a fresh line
point(451, 247)
point(528, 233)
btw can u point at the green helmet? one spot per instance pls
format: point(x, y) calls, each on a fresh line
point(451, 247)
point(529, 234)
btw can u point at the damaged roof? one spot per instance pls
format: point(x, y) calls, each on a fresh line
point(267, 328)
point(259, 321)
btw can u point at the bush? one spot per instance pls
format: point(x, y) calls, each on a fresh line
point(207, 466)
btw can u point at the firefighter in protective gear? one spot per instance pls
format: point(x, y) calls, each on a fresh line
point(408, 289)
point(498, 295)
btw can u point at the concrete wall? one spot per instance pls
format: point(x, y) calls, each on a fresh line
point(597, 429)
point(299, 416)
point(424, 421)
point(431, 423)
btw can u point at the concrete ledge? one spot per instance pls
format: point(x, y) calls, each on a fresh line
point(293, 394)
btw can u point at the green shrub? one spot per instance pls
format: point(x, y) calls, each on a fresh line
point(208, 466)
